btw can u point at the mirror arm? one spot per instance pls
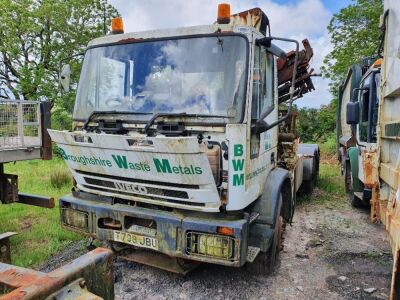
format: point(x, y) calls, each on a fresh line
point(70, 57)
point(355, 137)
point(358, 89)
point(292, 90)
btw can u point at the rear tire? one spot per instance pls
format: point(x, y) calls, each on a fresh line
point(307, 186)
point(265, 263)
point(347, 177)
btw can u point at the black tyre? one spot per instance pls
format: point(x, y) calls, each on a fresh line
point(355, 201)
point(307, 186)
point(347, 177)
point(266, 262)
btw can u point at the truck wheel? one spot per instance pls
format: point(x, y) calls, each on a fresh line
point(307, 186)
point(265, 262)
point(347, 177)
point(355, 201)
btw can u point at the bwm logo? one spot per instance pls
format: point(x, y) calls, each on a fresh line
point(238, 165)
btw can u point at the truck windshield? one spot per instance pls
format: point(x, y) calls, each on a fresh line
point(200, 75)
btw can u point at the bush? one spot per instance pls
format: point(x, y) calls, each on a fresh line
point(328, 147)
point(60, 178)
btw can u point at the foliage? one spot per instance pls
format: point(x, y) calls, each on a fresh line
point(316, 125)
point(355, 34)
point(37, 36)
point(328, 147)
point(60, 177)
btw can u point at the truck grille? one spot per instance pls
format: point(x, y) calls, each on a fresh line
point(145, 196)
point(141, 181)
point(150, 190)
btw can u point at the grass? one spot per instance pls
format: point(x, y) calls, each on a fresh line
point(330, 188)
point(328, 147)
point(39, 232)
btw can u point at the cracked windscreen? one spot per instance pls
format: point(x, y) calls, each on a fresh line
point(202, 75)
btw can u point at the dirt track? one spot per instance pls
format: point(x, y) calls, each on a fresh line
point(331, 252)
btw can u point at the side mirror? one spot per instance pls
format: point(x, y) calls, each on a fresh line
point(353, 113)
point(65, 77)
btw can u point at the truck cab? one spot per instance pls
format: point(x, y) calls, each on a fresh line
point(362, 156)
point(174, 146)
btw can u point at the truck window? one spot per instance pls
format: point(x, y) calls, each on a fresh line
point(364, 110)
point(204, 75)
point(375, 111)
point(114, 81)
point(263, 82)
point(369, 106)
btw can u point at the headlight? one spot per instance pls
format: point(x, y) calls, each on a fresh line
point(75, 218)
point(211, 245)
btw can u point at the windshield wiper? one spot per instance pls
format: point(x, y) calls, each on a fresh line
point(159, 115)
point(110, 112)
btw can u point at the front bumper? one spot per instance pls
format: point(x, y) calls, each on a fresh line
point(173, 230)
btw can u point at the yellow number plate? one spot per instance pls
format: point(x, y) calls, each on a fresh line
point(136, 240)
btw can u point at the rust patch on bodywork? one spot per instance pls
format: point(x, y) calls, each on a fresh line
point(370, 167)
point(254, 17)
point(130, 40)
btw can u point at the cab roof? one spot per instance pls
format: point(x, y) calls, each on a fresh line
point(248, 31)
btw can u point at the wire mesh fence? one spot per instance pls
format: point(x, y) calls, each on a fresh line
point(19, 124)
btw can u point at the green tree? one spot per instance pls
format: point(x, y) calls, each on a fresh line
point(354, 33)
point(316, 125)
point(36, 36)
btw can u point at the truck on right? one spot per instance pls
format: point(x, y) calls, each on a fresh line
point(368, 128)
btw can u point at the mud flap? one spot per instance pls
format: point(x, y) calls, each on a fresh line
point(353, 156)
point(260, 236)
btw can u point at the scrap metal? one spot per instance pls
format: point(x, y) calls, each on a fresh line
point(303, 83)
point(87, 277)
point(5, 253)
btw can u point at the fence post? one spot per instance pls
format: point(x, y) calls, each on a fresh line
point(20, 121)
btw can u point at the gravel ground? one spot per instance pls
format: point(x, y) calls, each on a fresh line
point(331, 251)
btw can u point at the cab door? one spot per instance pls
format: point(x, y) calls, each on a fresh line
point(263, 145)
point(367, 129)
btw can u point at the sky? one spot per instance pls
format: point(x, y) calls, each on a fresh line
point(297, 19)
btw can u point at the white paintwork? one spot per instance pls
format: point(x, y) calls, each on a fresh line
point(174, 32)
point(391, 86)
point(184, 150)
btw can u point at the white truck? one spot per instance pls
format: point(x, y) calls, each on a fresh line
point(184, 145)
point(375, 154)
